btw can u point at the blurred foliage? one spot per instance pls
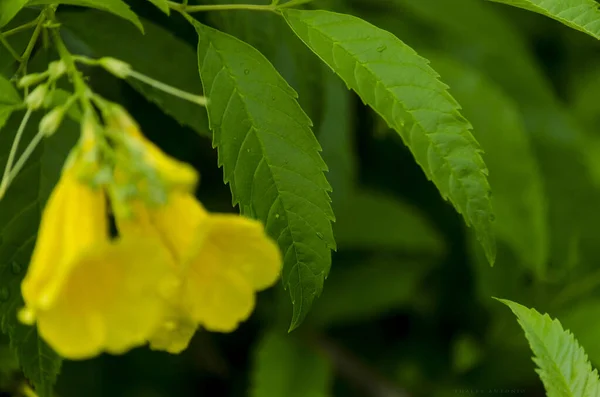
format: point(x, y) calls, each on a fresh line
point(407, 309)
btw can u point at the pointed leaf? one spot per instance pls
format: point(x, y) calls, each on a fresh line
point(519, 197)
point(106, 35)
point(398, 84)
point(562, 363)
point(283, 366)
point(582, 15)
point(20, 212)
point(270, 158)
point(162, 5)
point(8, 10)
point(117, 7)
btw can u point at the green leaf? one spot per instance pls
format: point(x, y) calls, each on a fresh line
point(20, 212)
point(284, 366)
point(582, 15)
point(519, 197)
point(116, 7)
point(270, 158)
point(8, 10)
point(375, 221)
point(562, 363)
point(368, 289)
point(162, 5)
point(158, 54)
point(413, 102)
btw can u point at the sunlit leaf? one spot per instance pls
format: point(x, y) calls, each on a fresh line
point(414, 103)
point(562, 363)
point(270, 158)
point(582, 15)
point(8, 10)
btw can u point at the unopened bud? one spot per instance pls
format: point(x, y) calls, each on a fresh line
point(51, 121)
point(115, 66)
point(35, 99)
point(31, 79)
point(56, 69)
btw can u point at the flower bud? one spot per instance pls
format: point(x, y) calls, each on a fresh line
point(31, 79)
point(115, 66)
point(56, 69)
point(35, 99)
point(51, 121)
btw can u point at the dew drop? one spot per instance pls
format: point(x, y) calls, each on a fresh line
point(4, 294)
point(16, 268)
point(276, 216)
point(381, 48)
point(246, 72)
point(248, 150)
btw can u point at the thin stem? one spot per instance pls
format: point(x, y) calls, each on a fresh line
point(21, 28)
point(6, 177)
point(25, 156)
point(220, 7)
point(293, 3)
point(200, 100)
point(10, 48)
point(31, 44)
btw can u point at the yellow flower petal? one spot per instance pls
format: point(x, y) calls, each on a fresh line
point(74, 219)
point(110, 301)
point(233, 258)
point(174, 335)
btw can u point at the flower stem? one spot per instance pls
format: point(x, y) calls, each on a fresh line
point(21, 28)
point(220, 7)
point(200, 100)
point(6, 177)
point(10, 49)
point(25, 156)
point(29, 49)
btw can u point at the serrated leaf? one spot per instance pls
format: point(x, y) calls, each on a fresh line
point(116, 7)
point(400, 86)
point(162, 5)
point(283, 366)
point(582, 15)
point(106, 35)
point(373, 287)
point(270, 158)
point(20, 212)
point(519, 197)
point(8, 10)
point(562, 363)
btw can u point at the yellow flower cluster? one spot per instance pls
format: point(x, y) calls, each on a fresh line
point(172, 267)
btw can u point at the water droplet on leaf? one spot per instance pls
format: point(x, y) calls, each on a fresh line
point(4, 294)
point(276, 216)
point(246, 72)
point(16, 268)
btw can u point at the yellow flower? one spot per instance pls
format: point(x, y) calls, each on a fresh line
point(221, 260)
point(86, 293)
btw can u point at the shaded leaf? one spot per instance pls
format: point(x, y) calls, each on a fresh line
point(20, 212)
point(562, 363)
point(519, 197)
point(582, 15)
point(414, 103)
point(116, 7)
point(368, 289)
point(270, 159)
point(283, 366)
point(9, 99)
point(375, 221)
point(106, 35)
